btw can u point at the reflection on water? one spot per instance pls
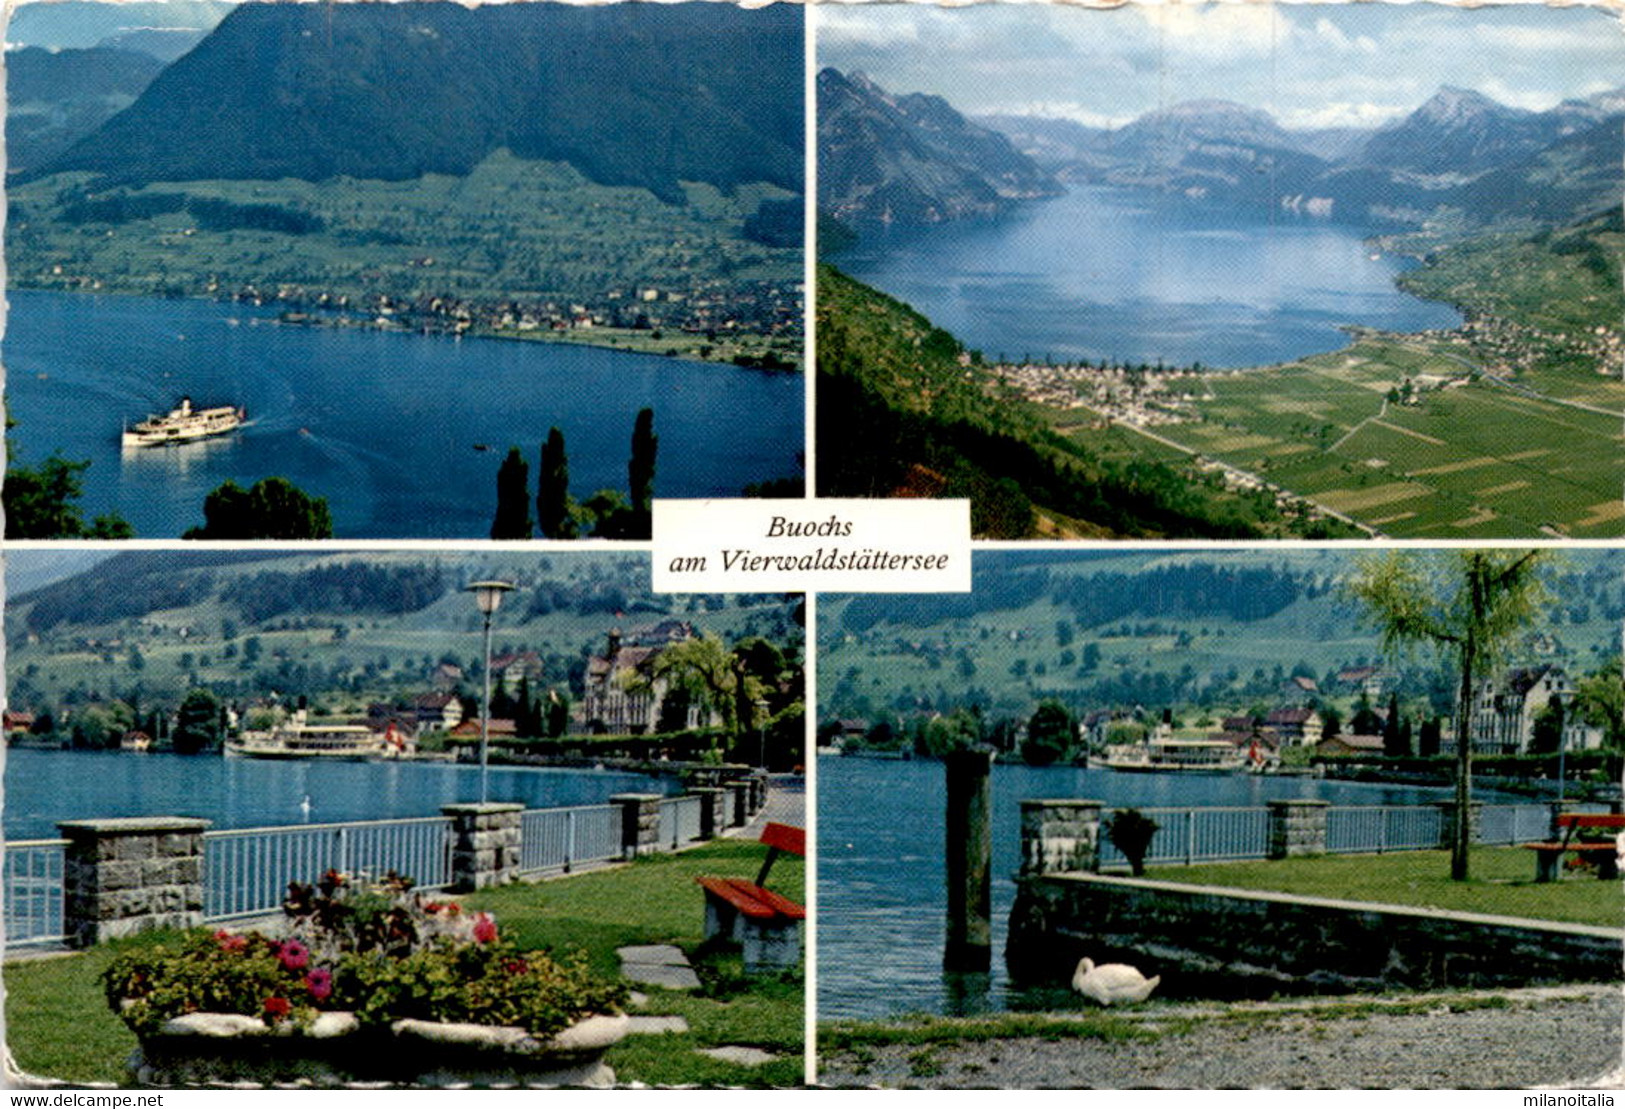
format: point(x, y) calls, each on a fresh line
point(43, 787)
point(881, 879)
point(1103, 273)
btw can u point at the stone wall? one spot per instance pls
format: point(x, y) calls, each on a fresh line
point(485, 845)
point(129, 875)
point(1211, 942)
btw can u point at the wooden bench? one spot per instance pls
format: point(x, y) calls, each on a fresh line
point(766, 925)
point(1604, 854)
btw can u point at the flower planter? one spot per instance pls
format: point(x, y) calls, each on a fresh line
point(226, 1049)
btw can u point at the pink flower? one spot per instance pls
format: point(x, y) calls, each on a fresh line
point(485, 929)
point(277, 1007)
point(294, 955)
point(320, 983)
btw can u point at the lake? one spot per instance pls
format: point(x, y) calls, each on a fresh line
point(383, 424)
point(43, 787)
point(881, 900)
point(1109, 273)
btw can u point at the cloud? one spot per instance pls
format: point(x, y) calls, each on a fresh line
point(1361, 114)
point(846, 27)
point(1069, 109)
point(1339, 40)
point(1217, 29)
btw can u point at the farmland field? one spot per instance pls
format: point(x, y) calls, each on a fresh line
point(1471, 460)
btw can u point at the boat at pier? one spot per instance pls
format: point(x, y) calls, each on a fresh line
point(301, 740)
point(184, 424)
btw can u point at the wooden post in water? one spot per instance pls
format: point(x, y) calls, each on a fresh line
point(969, 843)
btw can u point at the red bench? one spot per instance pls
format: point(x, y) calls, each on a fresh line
point(765, 924)
point(1604, 854)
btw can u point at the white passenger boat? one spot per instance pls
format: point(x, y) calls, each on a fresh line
point(184, 424)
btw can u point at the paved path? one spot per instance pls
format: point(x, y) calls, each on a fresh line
point(1542, 1037)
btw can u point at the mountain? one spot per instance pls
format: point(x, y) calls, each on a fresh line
point(80, 24)
point(1213, 148)
point(55, 98)
point(1459, 134)
point(629, 94)
point(912, 159)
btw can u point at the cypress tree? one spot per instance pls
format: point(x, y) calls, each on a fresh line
point(553, 490)
point(513, 498)
point(640, 472)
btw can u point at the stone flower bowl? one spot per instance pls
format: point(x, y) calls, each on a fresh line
point(234, 1051)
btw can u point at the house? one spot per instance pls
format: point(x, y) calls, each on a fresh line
point(1504, 712)
point(623, 694)
point(497, 727)
point(507, 671)
point(438, 710)
point(447, 676)
point(135, 741)
point(1373, 681)
point(1342, 745)
point(18, 723)
point(1296, 727)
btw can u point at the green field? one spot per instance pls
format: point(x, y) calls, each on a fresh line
point(534, 234)
point(1476, 460)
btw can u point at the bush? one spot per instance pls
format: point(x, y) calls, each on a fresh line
point(1131, 832)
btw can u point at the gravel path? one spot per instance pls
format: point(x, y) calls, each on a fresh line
point(1555, 1036)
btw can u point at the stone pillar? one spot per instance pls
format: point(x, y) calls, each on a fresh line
point(969, 844)
point(758, 792)
point(713, 810)
point(640, 823)
point(130, 875)
point(1060, 836)
point(1447, 822)
point(485, 845)
point(1297, 827)
point(738, 803)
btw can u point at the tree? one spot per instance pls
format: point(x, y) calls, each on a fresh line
point(1547, 734)
point(1394, 740)
point(1467, 605)
point(553, 515)
point(42, 502)
point(612, 515)
point(197, 723)
point(1051, 735)
point(273, 508)
point(640, 473)
point(513, 498)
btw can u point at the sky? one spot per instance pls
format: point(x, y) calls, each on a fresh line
point(1310, 65)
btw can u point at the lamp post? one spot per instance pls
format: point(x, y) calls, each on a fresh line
point(488, 595)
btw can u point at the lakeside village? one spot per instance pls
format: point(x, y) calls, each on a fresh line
point(642, 698)
point(1527, 727)
point(712, 313)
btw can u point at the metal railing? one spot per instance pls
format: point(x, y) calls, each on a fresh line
point(246, 871)
point(1197, 835)
point(679, 821)
point(1376, 829)
point(33, 891)
point(562, 839)
point(1204, 835)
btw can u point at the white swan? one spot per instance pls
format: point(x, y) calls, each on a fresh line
point(1112, 982)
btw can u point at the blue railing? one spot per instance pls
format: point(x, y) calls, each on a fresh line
point(33, 891)
point(1376, 829)
point(563, 839)
point(679, 821)
point(246, 871)
point(1205, 835)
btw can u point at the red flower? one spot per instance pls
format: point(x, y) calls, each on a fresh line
point(294, 955)
point(485, 929)
point(277, 1008)
point(320, 983)
point(433, 907)
point(230, 943)
point(515, 966)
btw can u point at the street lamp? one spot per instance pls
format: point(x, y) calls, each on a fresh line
point(488, 595)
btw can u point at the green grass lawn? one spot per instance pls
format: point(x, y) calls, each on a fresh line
point(58, 1024)
point(1502, 883)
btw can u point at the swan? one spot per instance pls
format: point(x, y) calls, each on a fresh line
point(1112, 982)
point(304, 807)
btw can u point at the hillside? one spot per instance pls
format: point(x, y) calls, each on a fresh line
point(628, 94)
point(912, 160)
point(1193, 631)
point(907, 411)
point(55, 98)
point(343, 627)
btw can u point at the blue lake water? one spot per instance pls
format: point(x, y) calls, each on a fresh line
point(43, 787)
point(881, 900)
point(1105, 273)
point(384, 425)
